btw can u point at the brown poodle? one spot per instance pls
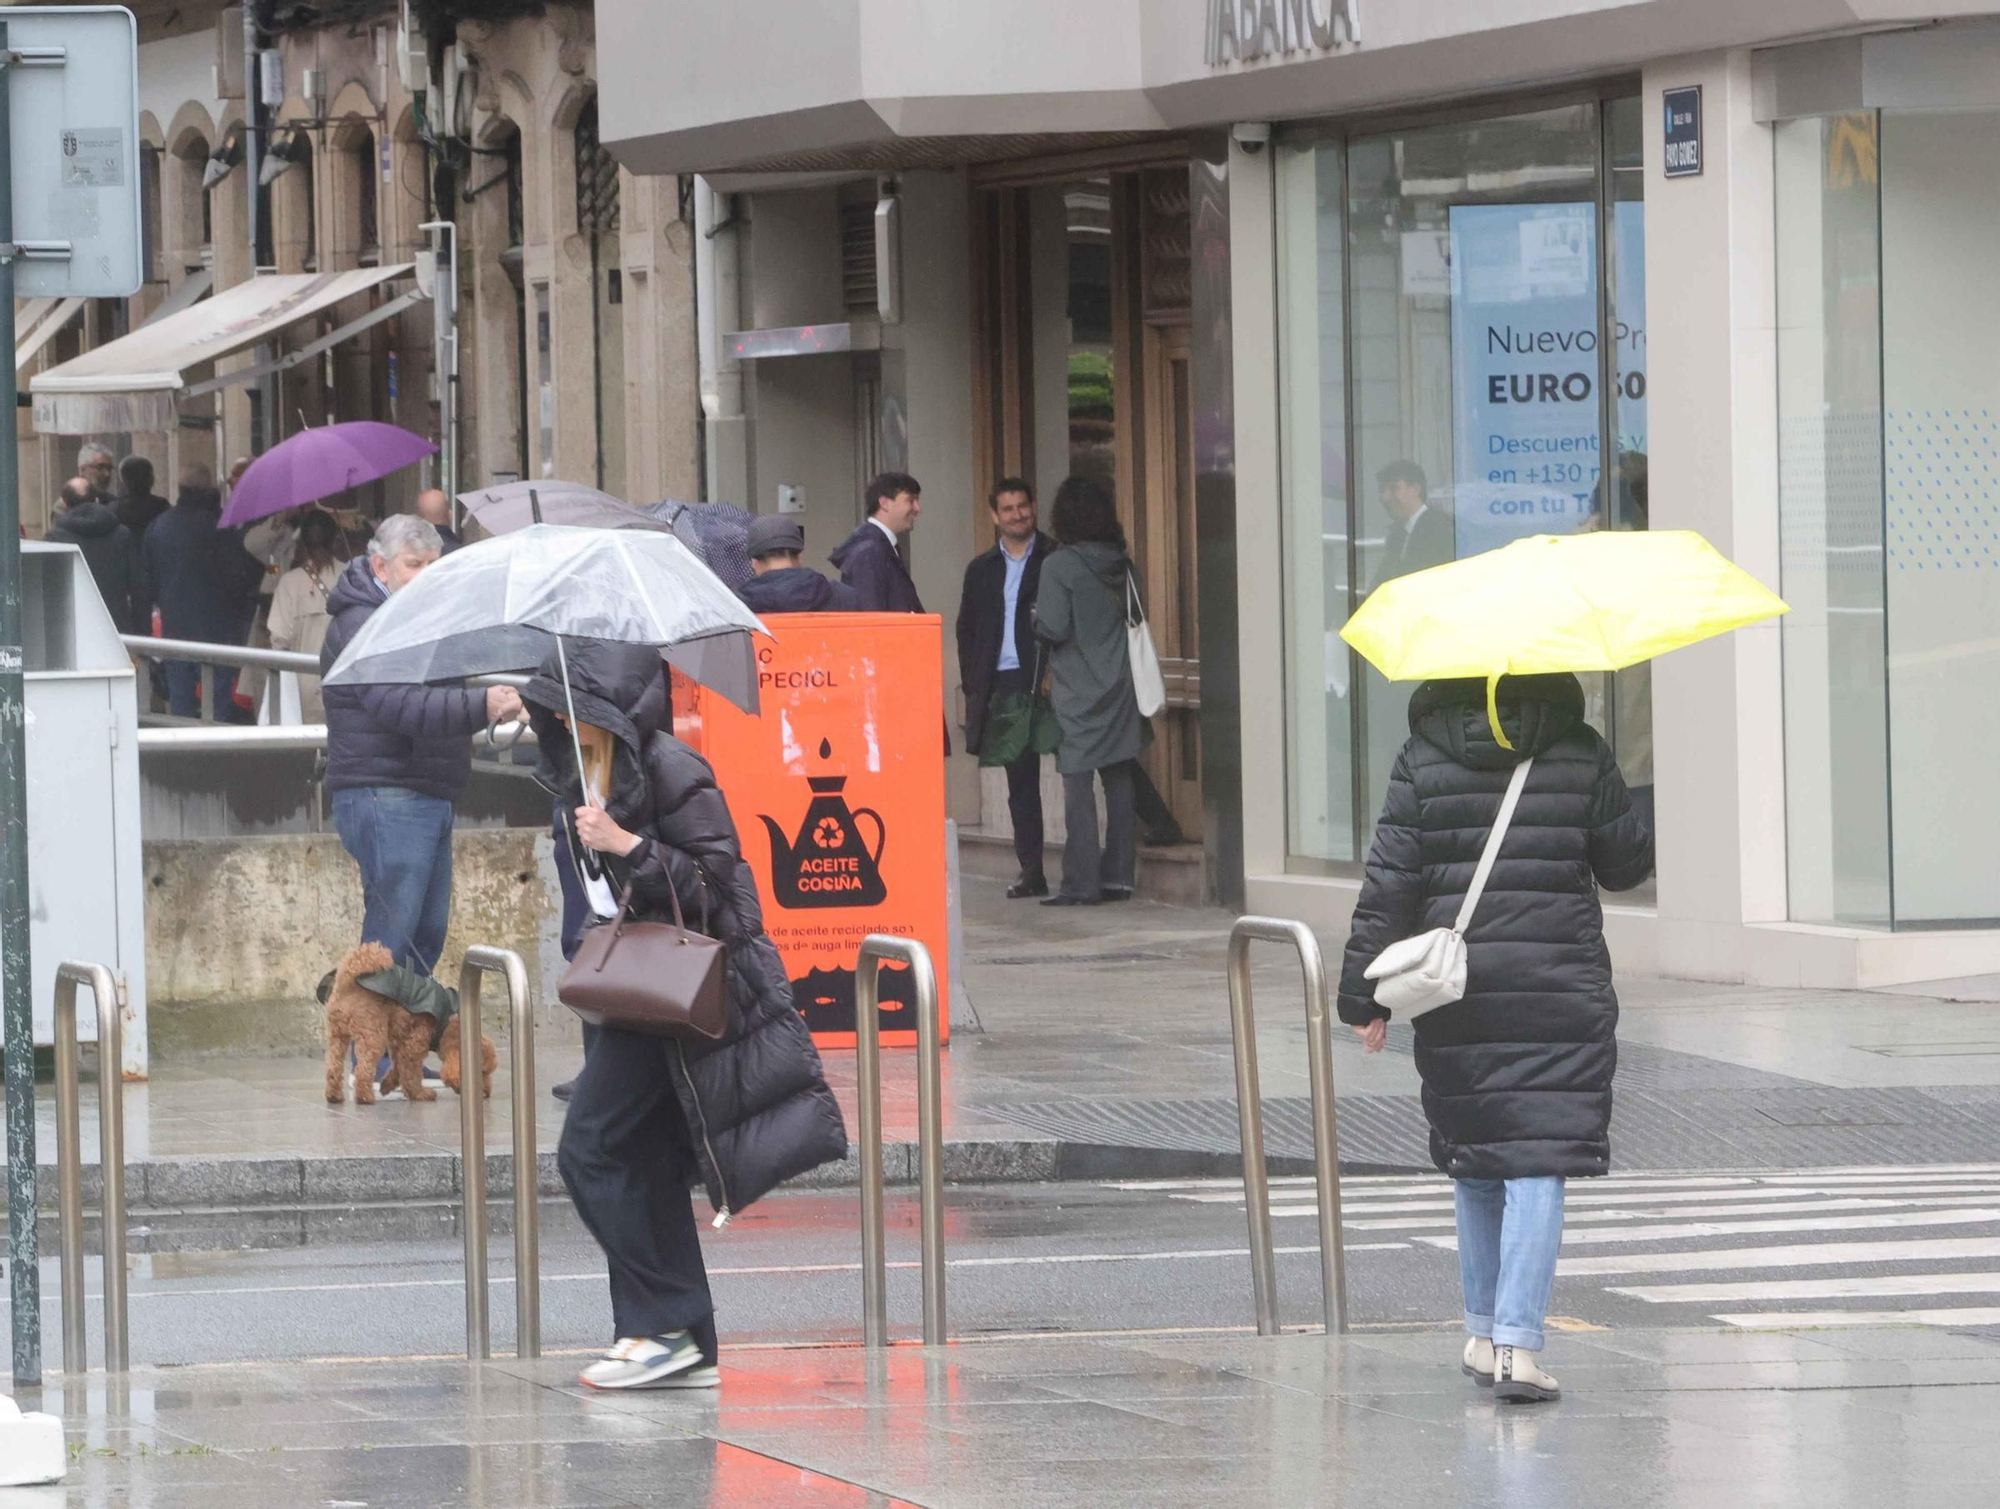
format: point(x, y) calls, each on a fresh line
point(373, 1025)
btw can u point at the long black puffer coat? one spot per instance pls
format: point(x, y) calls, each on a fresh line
point(756, 1100)
point(1517, 1075)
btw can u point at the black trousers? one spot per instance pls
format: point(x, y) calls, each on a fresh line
point(1024, 784)
point(628, 1163)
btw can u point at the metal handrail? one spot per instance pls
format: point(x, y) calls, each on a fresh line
point(1250, 1119)
point(930, 1135)
point(146, 647)
point(479, 959)
point(111, 1159)
point(187, 738)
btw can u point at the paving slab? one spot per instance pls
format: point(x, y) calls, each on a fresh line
point(1675, 1421)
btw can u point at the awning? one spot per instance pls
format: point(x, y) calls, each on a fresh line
point(36, 325)
point(134, 382)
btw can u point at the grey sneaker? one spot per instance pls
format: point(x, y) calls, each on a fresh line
point(642, 1362)
point(707, 1375)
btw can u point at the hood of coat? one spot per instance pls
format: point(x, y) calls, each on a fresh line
point(90, 520)
point(1107, 562)
point(621, 688)
point(356, 587)
point(794, 589)
point(865, 537)
point(1535, 712)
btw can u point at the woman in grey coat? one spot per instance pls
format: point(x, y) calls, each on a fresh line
point(1080, 614)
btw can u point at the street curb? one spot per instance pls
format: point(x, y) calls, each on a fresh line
point(251, 1183)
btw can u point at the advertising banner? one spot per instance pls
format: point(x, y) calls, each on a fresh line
point(1525, 365)
point(838, 794)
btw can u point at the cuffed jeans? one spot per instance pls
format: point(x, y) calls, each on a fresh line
point(1089, 867)
point(628, 1161)
point(402, 842)
point(1509, 1231)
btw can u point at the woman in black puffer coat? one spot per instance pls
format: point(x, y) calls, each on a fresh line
point(650, 1116)
point(1517, 1074)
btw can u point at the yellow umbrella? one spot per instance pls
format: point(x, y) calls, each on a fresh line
point(1585, 602)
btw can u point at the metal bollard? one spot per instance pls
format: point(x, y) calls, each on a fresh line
point(69, 1167)
point(1250, 1118)
point(930, 1135)
point(479, 959)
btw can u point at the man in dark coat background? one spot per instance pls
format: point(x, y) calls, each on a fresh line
point(138, 504)
point(782, 582)
point(396, 757)
point(997, 657)
point(205, 585)
point(870, 560)
point(108, 550)
point(1419, 536)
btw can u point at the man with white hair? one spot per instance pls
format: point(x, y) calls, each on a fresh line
point(95, 465)
point(396, 757)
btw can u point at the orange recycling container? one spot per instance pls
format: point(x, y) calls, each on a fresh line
point(838, 793)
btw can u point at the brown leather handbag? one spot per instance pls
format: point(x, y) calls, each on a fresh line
point(653, 977)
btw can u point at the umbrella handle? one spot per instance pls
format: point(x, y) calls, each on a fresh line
point(1493, 710)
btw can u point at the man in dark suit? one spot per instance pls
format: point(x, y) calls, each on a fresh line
point(871, 559)
point(996, 657)
point(1419, 536)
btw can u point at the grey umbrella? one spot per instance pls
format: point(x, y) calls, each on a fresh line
point(500, 605)
point(513, 505)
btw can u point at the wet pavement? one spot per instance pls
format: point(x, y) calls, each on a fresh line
point(1106, 1053)
point(1652, 1420)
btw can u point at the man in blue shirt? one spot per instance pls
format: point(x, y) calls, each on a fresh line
point(996, 656)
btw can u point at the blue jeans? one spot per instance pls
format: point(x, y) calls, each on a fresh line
point(402, 842)
point(1509, 1231)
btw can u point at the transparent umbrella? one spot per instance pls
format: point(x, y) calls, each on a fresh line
point(500, 605)
point(509, 506)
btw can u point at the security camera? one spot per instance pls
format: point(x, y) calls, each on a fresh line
point(1251, 135)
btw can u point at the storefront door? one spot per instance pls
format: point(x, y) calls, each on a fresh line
point(1168, 566)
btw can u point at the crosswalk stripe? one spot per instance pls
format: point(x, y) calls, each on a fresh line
point(1861, 1286)
point(1792, 1320)
point(1571, 1219)
point(1578, 1207)
point(1817, 1255)
point(1679, 1232)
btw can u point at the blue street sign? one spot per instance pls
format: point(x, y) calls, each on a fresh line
point(1682, 157)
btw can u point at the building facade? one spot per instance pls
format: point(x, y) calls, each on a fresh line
point(1282, 272)
point(574, 279)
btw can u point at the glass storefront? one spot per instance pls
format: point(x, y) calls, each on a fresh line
point(1889, 497)
point(1462, 364)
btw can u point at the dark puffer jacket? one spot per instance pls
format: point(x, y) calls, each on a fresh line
point(1517, 1075)
point(418, 738)
point(797, 589)
point(756, 1100)
point(112, 556)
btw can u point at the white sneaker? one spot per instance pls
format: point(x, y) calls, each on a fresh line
point(1518, 1380)
point(1478, 1364)
point(642, 1362)
point(707, 1375)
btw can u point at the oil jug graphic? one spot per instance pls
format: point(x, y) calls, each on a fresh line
point(827, 863)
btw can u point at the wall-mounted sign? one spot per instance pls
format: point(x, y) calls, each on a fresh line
point(1682, 108)
point(1243, 31)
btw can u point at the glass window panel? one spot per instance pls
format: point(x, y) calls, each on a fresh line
point(1312, 356)
point(1473, 310)
point(1831, 518)
point(1940, 308)
point(1628, 716)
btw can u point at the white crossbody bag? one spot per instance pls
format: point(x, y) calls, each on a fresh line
point(1428, 971)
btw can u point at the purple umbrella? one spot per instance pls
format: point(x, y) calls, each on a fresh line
point(317, 463)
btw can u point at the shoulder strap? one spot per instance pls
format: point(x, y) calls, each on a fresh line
point(1135, 611)
point(1493, 840)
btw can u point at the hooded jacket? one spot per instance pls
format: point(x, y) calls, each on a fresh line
point(112, 556)
point(418, 738)
point(1080, 611)
point(873, 568)
point(198, 573)
point(756, 1102)
point(1517, 1074)
point(797, 589)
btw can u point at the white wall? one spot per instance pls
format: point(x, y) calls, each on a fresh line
point(174, 70)
point(1941, 464)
